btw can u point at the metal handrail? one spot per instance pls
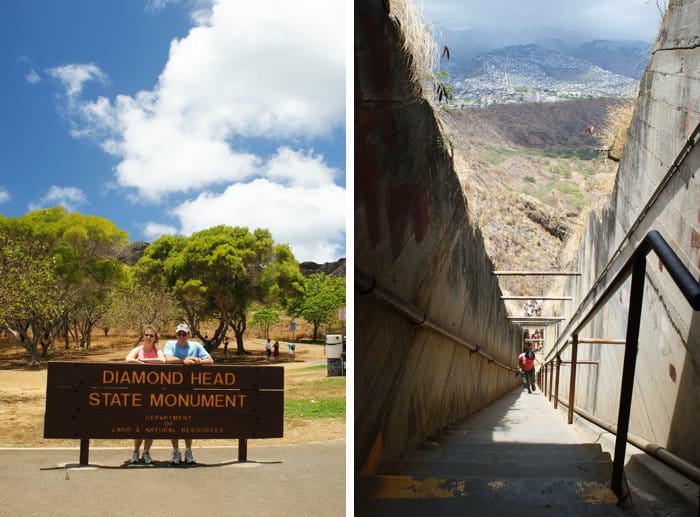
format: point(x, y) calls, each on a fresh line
point(366, 284)
point(636, 266)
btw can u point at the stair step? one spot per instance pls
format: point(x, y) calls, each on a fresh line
point(584, 471)
point(497, 453)
point(406, 496)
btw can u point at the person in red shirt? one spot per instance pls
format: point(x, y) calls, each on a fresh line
point(526, 360)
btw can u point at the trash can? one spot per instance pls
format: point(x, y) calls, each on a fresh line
point(334, 354)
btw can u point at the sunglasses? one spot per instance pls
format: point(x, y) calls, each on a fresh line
point(149, 335)
point(182, 333)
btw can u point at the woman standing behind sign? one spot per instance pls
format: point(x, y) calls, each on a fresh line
point(146, 353)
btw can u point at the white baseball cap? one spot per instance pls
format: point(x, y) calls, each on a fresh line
point(182, 327)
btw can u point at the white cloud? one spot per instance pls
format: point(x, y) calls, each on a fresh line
point(244, 72)
point(298, 169)
point(307, 214)
point(68, 197)
point(4, 195)
point(32, 77)
point(248, 75)
point(154, 230)
point(73, 76)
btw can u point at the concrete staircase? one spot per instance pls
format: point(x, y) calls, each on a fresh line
point(515, 457)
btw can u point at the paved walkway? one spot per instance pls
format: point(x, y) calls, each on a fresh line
point(306, 479)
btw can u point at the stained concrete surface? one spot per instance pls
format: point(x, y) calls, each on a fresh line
point(517, 455)
point(306, 479)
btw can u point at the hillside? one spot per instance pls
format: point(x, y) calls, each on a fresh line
point(533, 73)
point(336, 268)
point(531, 173)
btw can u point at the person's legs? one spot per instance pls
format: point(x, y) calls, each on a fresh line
point(176, 451)
point(135, 454)
point(147, 451)
point(189, 457)
point(530, 379)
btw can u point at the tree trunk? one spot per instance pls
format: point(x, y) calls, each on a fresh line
point(239, 326)
point(316, 325)
point(212, 344)
point(65, 331)
point(21, 335)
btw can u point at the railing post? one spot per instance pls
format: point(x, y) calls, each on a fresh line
point(556, 382)
point(632, 340)
point(551, 379)
point(544, 377)
point(572, 380)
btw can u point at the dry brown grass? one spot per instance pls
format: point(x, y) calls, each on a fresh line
point(418, 42)
point(613, 134)
point(23, 388)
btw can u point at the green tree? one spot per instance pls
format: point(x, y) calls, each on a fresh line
point(31, 299)
point(217, 273)
point(76, 257)
point(323, 296)
point(85, 249)
point(265, 317)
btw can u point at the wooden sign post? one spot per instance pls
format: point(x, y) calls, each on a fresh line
point(126, 400)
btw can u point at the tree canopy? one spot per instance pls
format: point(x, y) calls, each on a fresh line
point(57, 270)
point(323, 296)
point(217, 273)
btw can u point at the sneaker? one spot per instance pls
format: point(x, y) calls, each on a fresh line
point(189, 459)
point(134, 457)
point(176, 459)
point(147, 458)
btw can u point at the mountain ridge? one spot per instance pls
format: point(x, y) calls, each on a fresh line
point(532, 73)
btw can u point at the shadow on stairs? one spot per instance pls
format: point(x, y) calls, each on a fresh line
point(514, 457)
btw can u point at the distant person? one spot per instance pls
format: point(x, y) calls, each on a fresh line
point(537, 340)
point(147, 353)
point(189, 353)
point(268, 350)
point(290, 345)
point(526, 361)
point(276, 349)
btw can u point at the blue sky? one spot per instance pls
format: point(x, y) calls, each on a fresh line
point(170, 116)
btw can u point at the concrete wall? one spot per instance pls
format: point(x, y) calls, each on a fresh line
point(412, 233)
point(666, 403)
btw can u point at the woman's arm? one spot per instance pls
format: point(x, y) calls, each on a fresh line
point(131, 357)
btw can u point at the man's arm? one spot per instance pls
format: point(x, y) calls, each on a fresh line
point(170, 355)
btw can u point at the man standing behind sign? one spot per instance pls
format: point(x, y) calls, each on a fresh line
point(188, 353)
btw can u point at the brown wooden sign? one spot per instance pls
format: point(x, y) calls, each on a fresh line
point(107, 400)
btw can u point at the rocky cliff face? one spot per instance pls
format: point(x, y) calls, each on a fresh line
point(414, 239)
point(336, 268)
